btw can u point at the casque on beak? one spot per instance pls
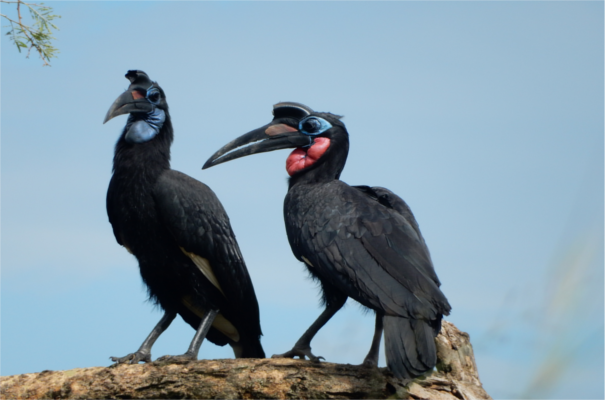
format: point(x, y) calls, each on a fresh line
point(273, 136)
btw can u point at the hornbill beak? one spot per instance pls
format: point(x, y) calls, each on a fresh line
point(273, 136)
point(131, 101)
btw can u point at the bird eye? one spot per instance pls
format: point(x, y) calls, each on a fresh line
point(153, 95)
point(313, 126)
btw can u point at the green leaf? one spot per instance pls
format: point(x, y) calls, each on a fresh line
point(38, 35)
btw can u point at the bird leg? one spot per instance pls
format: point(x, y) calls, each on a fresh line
point(144, 352)
point(194, 347)
point(371, 359)
point(302, 348)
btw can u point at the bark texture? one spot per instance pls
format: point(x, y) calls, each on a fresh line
point(456, 378)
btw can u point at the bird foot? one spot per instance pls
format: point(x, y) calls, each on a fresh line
point(300, 353)
point(183, 358)
point(132, 358)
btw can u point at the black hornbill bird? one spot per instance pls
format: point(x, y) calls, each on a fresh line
point(358, 241)
point(179, 232)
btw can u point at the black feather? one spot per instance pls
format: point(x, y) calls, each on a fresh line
point(157, 213)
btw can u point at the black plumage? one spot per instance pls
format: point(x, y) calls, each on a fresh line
point(358, 241)
point(179, 232)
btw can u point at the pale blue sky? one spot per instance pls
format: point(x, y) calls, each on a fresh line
point(486, 117)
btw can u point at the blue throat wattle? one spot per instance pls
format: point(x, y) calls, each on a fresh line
point(141, 128)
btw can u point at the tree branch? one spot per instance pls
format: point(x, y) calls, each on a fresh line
point(455, 379)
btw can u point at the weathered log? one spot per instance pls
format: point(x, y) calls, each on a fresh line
point(456, 378)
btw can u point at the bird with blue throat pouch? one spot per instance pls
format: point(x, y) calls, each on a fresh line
point(179, 232)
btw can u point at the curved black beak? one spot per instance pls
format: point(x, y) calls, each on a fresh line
point(273, 136)
point(131, 101)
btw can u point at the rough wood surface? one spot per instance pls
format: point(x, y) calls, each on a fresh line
point(456, 378)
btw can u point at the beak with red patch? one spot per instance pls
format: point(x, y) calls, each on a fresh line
point(131, 101)
point(273, 136)
point(294, 126)
point(137, 98)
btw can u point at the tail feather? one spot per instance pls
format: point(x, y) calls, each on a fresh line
point(410, 346)
point(425, 342)
point(252, 348)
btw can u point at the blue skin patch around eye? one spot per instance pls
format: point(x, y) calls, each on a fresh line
point(323, 126)
point(153, 90)
point(141, 130)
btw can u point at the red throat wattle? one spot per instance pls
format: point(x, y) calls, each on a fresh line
point(305, 157)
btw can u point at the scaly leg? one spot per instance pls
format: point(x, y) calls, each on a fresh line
point(144, 352)
point(371, 359)
point(302, 347)
point(194, 347)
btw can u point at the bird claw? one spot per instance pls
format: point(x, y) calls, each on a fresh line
point(300, 353)
point(132, 358)
point(183, 358)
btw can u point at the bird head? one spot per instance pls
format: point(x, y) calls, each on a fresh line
point(315, 136)
point(146, 105)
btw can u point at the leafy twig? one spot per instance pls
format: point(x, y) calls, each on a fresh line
point(36, 36)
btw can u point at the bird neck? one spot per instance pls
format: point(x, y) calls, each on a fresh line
point(146, 160)
point(327, 168)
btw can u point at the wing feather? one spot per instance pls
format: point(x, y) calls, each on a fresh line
point(196, 219)
point(369, 245)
